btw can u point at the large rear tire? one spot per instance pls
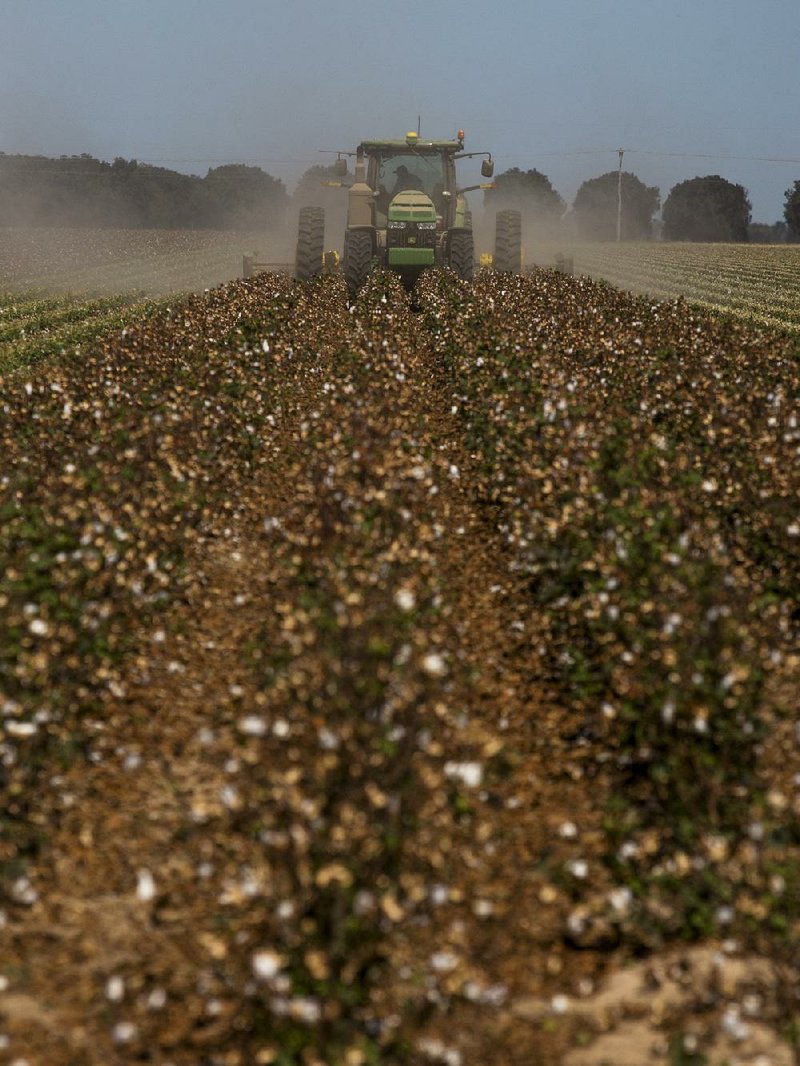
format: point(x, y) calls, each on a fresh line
point(357, 258)
point(508, 243)
point(310, 243)
point(461, 253)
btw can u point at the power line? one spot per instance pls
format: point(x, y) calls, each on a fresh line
point(270, 160)
point(705, 155)
point(675, 155)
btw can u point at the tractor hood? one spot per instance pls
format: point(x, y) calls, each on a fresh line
point(412, 206)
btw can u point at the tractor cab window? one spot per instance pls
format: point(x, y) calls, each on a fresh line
point(405, 171)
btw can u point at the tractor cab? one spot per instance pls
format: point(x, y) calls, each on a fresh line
point(412, 165)
point(431, 173)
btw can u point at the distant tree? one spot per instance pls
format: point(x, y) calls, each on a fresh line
point(707, 209)
point(791, 210)
point(763, 233)
point(594, 211)
point(526, 191)
point(82, 191)
point(243, 197)
point(137, 194)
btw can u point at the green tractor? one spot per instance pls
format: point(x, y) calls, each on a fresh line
point(406, 212)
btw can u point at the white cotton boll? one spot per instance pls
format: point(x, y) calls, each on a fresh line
point(328, 739)
point(468, 773)
point(620, 898)
point(305, 1009)
point(733, 1025)
point(145, 886)
point(252, 726)
point(157, 999)
point(434, 665)
point(21, 730)
point(405, 599)
point(22, 891)
point(115, 989)
point(124, 1032)
point(267, 964)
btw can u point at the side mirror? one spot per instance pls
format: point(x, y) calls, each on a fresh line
point(487, 168)
point(340, 168)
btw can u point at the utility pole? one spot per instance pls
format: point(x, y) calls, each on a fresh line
point(619, 196)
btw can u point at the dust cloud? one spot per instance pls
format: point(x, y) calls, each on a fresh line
point(78, 224)
point(95, 261)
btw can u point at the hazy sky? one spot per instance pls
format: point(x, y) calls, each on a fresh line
point(558, 85)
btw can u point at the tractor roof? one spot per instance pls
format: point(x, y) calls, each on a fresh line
point(414, 145)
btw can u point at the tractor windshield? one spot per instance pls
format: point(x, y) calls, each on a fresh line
point(403, 171)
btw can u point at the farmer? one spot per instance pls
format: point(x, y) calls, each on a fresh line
point(405, 180)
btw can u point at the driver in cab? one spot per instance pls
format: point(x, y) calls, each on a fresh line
point(405, 181)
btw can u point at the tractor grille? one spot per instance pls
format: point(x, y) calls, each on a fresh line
point(411, 235)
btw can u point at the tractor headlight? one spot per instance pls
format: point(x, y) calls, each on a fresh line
point(397, 225)
point(426, 225)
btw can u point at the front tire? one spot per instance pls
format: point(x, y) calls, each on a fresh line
point(310, 243)
point(461, 253)
point(508, 242)
point(357, 258)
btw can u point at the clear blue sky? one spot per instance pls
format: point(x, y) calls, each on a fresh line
point(558, 86)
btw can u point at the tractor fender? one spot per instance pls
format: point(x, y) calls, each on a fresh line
point(360, 206)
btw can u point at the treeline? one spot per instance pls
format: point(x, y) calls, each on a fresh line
point(80, 190)
point(709, 208)
point(83, 191)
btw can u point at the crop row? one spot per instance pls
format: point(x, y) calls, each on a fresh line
point(95, 510)
point(643, 464)
point(758, 283)
point(264, 395)
point(35, 330)
point(21, 326)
